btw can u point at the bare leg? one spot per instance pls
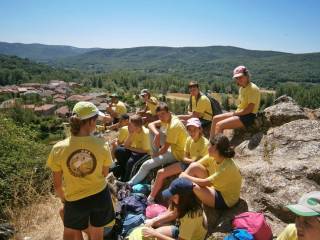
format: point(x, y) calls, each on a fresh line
point(205, 195)
point(72, 234)
point(197, 170)
point(229, 123)
point(217, 119)
point(95, 233)
point(173, 169)
point(165, 230)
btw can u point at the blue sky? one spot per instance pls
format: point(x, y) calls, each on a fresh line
point(280, 25)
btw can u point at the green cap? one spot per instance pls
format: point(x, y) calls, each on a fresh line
point(85, 110)
point(308, 205)
point(114, 95)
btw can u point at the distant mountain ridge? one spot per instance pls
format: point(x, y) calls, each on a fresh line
point(212, 63)
point(40, 52)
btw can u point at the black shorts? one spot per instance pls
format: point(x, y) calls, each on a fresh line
point(248, 120)
point(219, 201)
point(184, 166)
point(96, 210)
point(205, 123)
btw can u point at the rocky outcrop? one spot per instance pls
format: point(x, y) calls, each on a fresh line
point(285, 110)
point(280, 161)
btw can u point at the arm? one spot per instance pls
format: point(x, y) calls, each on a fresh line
point(202, 182)
point(153, 127)
point(105, 171)
point(162, 150)
point(245, 111)
point(167, 217)
point(57, 183)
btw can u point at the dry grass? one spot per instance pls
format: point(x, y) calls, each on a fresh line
point(38, 221)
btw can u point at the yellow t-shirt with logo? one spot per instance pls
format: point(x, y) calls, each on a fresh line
point(141, 140)
point(120, 108)
point(191, 227)
point(152, 105)
point(81, 160)
point(247, 95)
point(123, 134)
point(196, 149)
point(289, 233)
point(203, 106)
point(225, 178)
point(176, 136)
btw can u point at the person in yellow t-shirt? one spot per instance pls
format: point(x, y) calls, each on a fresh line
point(169, 152)
point(80, 164)
point(217, 179)
point(115, 109)
point(189, 212)
point(136, 146)
point(149, 112)
point(199, 107)
point(196, 147)
point(244, 116)
point(307, 225)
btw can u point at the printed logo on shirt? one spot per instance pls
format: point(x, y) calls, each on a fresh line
point(81, 163)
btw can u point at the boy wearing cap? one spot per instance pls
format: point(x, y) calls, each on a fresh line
point(173, 148)
point(115, 109)
point(80, 164)
point(249, 98)
point(199, 107)
point(149, 111)
point(307, 225)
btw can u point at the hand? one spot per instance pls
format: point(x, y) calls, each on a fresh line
point(149, 232)
point(183, 174)
point(148, 222)
point(156, 140)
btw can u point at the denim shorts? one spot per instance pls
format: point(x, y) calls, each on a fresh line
point(184, 166)
point(175, 232)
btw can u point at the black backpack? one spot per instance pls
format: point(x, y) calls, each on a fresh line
point(215, 105)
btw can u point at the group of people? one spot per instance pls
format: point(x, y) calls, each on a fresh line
point(204, 170)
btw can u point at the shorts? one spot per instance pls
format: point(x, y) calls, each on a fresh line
point(184, 166)
point(219, 201)
point(205, 123)
point(175, 232)
point(248, 120)
point(96, 210)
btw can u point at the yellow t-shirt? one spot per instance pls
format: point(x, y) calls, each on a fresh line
point(81, 160)
point(141, 140)
point(196, 149)
point(203, 106)
point(152, 105)
point(289, 233)
point(176, 136)
point(120, 108)
point(247, 95)
point(191, 228)
point(225, 178)
point(123, 134)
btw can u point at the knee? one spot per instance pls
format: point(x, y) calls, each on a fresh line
point(161, 173)
point(194, 165)
point(146, 166)
point(219, 126)
point(215, 119)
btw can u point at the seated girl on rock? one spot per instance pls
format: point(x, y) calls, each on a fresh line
point(216, 177)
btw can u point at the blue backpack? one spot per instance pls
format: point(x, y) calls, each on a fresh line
point(239, 234)
point(136, 203)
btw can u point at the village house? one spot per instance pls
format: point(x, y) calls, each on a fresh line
point(46, 109)
point(63, 112)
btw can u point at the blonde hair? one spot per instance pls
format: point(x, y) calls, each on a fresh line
point(136, 120)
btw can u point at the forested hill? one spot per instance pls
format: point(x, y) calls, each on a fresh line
point(203, 63)
point(15, 70)
point(40, 52)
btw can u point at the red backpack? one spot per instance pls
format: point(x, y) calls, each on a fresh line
point(255, 223)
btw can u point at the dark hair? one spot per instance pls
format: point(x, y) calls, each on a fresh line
point(136, 120)
point(193, 83)
point(162, 106)
point(188, 203)
point(76, 123)
point(222, 144)
point(124, 117)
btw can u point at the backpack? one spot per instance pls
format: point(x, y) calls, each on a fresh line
point(215, 105)
point(136, 203)
point(239, 234)
point(155, 210)
point(130, 222)
point(255, 223)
